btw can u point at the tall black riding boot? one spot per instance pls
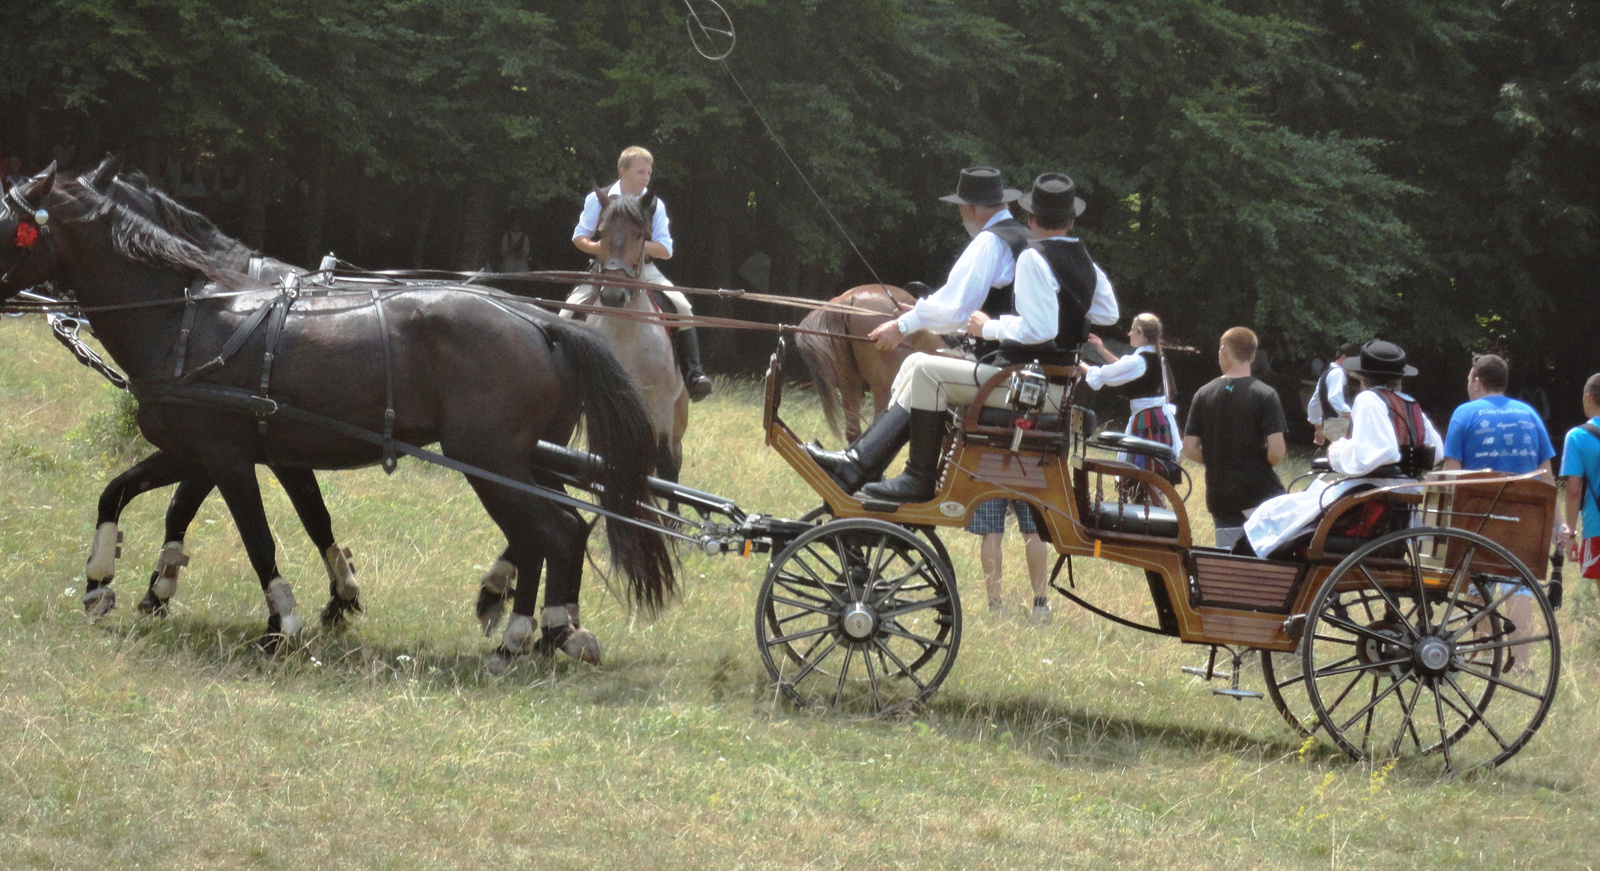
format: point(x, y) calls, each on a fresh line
point(866, 458)
point(687, 344)
point(916, 483)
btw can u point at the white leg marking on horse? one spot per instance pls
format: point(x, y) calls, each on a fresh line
point(518, 636)
point(499, 577)
point(104, 552)
point(98, 602)
point(343, 575)
point(579, 643)
point(496, 584)
point(280, 601)
point(169, 564)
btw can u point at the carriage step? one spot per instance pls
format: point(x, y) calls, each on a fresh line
point(1236, 694)
point(1207, 674)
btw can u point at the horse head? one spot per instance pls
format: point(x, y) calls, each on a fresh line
point(622, 231)
point(25, 233)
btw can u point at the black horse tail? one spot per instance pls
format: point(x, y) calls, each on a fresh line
point(824, 355)
point(619, 432)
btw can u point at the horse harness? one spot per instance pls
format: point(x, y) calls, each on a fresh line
point(274, 314)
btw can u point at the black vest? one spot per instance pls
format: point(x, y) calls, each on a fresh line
point(1016, 236)
point(1069, 260)
point(1149, 384)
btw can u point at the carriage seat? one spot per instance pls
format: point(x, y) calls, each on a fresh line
point(1135, 519)
point(1128, 444)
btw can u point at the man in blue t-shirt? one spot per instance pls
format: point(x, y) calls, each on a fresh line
point(1580, 465)
point(1501, 434)
point(1494, 431)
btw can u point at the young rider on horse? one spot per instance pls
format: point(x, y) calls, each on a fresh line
point(1058, 291)
point(634, 169)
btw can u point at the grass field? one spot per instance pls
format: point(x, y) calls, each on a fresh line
point(172, 743)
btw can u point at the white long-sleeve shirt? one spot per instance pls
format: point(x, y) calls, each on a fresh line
point(985, 264)
point(1035, 292)
point(1372, 441)
point(660, 228)
point(1126, 369)
point(1336, 378)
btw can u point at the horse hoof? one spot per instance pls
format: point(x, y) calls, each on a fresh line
point(574, 641)
point(152, 606)
point(582, 645)
point(337, 612)
point(491, 609)
point(499, 662)
point(98, 602)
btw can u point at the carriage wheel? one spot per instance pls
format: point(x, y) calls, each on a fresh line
point(1285, 679)
point(859, 615)
point(1422, 662)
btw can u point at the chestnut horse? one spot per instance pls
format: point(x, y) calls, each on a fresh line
point(845, 369)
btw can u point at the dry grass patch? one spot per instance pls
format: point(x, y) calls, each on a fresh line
point(174, 744)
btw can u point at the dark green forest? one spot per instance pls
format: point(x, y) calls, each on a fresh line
point(1320, 170)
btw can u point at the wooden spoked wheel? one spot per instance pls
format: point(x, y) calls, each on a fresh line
point(1285, 679)
point(859, 615)
point(1416, 646)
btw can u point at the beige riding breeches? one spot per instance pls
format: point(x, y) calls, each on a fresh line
point(933, 382)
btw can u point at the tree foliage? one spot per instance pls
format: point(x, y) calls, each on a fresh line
point(1421, 169)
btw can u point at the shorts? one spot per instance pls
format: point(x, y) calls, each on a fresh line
point(990, 517)
point(1589, 558)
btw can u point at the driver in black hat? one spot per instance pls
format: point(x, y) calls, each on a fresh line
point(1386, 427)
point(1059, 290)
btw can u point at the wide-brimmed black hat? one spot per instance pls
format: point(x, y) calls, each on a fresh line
point(1053, 198)
point(1380, 359)
point(981, 186)
point(1349, 349)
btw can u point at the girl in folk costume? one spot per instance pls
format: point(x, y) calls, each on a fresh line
point(1144, 377)
point(1386, 428)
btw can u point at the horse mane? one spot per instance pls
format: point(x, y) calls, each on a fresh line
point(135, 190)
point(626, 207)
point(139, 238)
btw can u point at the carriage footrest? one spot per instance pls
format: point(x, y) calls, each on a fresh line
point(1236, 694)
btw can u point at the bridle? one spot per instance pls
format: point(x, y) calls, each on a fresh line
point(39, 218)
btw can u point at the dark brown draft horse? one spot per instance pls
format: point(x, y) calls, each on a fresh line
point(162, 469)
point(845, 369)
point(468, 368)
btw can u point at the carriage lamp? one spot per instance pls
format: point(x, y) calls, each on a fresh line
point(1028, 389)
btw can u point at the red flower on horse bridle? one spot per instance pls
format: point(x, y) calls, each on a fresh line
point(27, 234)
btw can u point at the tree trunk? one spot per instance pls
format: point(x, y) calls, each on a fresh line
point(257, 180)
point(478, 223)
point(430, 200)
point(316, 215)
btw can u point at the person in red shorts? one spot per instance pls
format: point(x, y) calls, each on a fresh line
point(1580, 465)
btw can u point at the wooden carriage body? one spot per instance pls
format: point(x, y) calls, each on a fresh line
point(1203, 595)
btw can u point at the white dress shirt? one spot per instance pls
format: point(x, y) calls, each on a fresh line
point(660, 229)
point(986, 263)
point(1336, 379)
point(1038, 316)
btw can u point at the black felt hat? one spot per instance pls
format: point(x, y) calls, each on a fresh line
point(981, 186)
point(1053, 198)
point(1380, 359)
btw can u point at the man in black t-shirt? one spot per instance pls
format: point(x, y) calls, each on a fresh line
point(1235, 429)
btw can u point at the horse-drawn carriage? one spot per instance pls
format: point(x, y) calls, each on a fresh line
point(1433, 639)
point(1390, 645)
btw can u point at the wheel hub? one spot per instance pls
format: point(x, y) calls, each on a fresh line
point(858, 622)
point(1432, 655)
point(1371, 650)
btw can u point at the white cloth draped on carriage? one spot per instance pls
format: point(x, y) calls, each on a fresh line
point(1371, 444)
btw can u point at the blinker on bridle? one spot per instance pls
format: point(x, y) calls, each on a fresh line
point(28, 234)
